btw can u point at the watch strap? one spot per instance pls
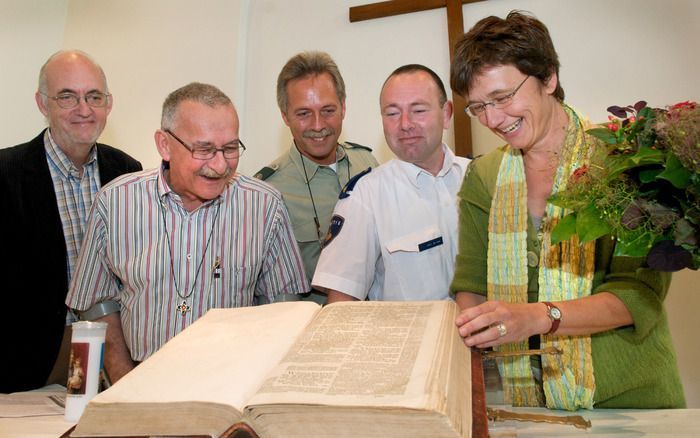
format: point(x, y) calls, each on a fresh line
point(555, 321)
point(98, 310)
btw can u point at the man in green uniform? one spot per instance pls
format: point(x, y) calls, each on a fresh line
point(311, 174)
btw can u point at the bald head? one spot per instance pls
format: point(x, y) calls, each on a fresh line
point(62, 57)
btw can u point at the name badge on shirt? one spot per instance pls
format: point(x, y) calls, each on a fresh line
point(430, 244)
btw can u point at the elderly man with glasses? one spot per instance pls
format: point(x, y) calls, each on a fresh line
point(163, 246)
point(47, 187)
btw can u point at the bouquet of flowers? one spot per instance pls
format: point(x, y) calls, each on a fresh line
point(641, 186)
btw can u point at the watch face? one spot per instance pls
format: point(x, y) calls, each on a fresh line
point(555, 313)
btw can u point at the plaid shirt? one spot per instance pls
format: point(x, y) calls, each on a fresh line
point(75, 192)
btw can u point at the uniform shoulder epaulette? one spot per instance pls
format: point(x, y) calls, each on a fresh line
point(266, 172)
point(351, 183)
point(355, 145)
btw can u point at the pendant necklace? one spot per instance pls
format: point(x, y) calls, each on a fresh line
point(311, 196)
point(183, 307)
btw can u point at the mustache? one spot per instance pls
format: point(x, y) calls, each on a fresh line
point(310, 133)
point(210, 173)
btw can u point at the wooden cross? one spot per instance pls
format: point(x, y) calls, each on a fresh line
point(455, 29)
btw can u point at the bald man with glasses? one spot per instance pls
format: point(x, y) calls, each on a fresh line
point(47, 187)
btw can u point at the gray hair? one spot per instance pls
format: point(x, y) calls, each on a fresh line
point(205, 94)
point(308, 64)
point(43, 80)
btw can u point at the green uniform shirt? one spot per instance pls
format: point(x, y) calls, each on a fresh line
point(286, 174)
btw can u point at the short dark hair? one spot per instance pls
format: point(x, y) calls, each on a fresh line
point(306, 64)
point(205, 94)
point(520, 40)
point(413, 68)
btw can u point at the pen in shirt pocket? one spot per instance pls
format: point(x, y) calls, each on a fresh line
point(217, 267)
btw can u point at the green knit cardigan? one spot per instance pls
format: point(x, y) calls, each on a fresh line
point(634, 366)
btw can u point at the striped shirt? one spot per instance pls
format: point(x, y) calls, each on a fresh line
point(146, 251)
point(75, 191)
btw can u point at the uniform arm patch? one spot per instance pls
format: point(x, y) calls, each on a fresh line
point(336, 224)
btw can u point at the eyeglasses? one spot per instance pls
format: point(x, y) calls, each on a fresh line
point(230, 151)
point(94, 99)
point(476, 109)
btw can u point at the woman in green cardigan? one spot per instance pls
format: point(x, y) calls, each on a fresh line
point(516, 290)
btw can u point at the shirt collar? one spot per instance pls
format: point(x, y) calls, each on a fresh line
point(310, 165)
point(163, 187)
point(62, 163)
point(414, 173)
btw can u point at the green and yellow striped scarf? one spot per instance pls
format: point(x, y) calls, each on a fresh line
point(565, 273)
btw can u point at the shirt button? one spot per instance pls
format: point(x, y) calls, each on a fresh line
point(532, 259)
point(189, 256)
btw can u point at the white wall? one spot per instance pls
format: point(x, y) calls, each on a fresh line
point(150, 48)
point(682, 305)
point(30, 31)
point(611, 51)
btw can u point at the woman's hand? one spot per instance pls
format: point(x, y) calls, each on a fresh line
point(488, 323)
point(497, 322)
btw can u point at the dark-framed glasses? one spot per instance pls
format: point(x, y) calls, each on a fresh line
point(94, 99)
point(231, 150)
point(478, 108)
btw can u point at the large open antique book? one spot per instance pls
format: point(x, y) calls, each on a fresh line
point(384, 369)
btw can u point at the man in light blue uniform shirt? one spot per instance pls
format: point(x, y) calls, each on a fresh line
point(393, 235)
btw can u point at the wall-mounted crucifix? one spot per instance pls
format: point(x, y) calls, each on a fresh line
point(455, 29)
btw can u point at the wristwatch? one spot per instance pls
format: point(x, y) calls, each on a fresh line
point(555, 315)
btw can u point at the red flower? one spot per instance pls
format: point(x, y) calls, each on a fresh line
point(684, 105)
point(581, 171)
point(579, 174)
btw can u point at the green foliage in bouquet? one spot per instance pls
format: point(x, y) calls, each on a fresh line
point(641, 186)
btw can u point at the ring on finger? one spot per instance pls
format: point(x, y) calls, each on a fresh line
point(502, 330)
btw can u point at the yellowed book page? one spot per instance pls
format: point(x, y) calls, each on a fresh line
point(222, 358)
point(361, 354)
